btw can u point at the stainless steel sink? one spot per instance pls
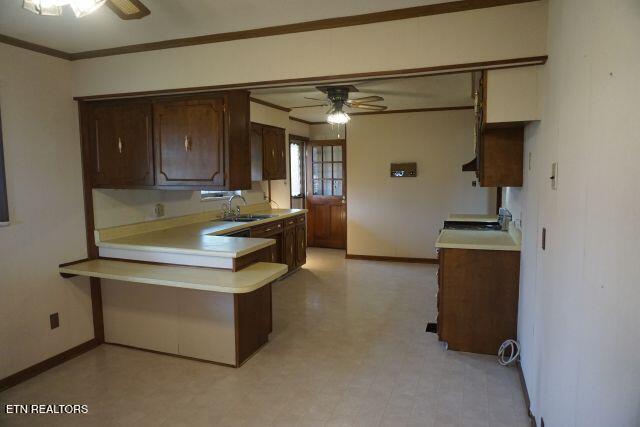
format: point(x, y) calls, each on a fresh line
point(247, 218)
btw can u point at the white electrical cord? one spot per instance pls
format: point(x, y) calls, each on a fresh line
point(509, 352)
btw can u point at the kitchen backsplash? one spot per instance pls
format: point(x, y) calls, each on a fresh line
point(120, 207)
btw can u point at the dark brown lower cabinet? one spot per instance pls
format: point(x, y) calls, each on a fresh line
point(253, 322)
point(477, 298)
point(289, 247)
point(301, 244)
point(291, 240)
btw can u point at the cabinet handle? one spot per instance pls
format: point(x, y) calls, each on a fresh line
point(187, 143)
point(120, 145)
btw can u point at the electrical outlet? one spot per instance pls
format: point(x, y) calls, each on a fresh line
point(473, 183)
point(54, 320)
point(158, 210)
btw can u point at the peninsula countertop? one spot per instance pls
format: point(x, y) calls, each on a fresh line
point(492, 240)
point(202, 237)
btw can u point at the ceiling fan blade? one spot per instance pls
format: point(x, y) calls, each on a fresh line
point(128, 9)
point(307, 106)
point(315, 99)
point(374, 98)
point(369, 107)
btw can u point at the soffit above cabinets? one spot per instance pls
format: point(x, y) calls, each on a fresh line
point(172, 19)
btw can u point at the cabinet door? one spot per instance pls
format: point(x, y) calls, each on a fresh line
point(273, 153)
point(120, 136)
point(301, 244)
point(189, 139)
point(289, 247)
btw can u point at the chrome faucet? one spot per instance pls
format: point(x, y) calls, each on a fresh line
point(226, 207)
point(504, 218)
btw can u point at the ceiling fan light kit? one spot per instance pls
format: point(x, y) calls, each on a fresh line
point(54, 7)
point(125, 9)
point(338, 99)
point(338, 117)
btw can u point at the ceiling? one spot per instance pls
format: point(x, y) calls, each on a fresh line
point(171, 19)
point(448, 90)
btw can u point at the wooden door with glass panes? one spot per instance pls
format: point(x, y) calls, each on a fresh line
point(326, 194)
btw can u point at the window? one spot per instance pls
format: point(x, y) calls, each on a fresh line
point(216, 195)
point(297, 145)
point(4, 206)
point(327, 173)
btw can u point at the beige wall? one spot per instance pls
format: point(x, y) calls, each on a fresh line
point(477, 35)
point(578, 315)
point(401, 217)
point(44, 184)
point(327, 131)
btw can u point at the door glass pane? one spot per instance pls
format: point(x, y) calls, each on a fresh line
point(337, 187)
point(337, 170)
point(326, 170)
point(326, 152)
point(337, 153)
point(327, 187)
point(317, 154)
point(317, 187)
point(317, 171)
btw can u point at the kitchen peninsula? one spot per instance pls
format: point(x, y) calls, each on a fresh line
point(182, 286)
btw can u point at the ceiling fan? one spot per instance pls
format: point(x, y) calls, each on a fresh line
point(125, 9)
point(338, 99)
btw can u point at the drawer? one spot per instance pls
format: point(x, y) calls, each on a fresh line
point(266, 229)
point(301, 219)
point(289, 222)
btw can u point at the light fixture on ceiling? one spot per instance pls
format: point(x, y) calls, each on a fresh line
point(336, 116)
point(54, 7)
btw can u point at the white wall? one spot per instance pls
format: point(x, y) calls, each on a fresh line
point(402, 217)
point(579, 319)
point(44, 184)
point(453, 38)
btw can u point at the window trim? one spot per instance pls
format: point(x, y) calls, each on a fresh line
point(302, 141)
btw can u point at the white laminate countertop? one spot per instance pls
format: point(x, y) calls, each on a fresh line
point(202, 238)
point(206, 279)
point(472, 217)
point(491, 240)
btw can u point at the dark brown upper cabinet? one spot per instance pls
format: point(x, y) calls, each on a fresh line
point(268, 153)
point(181, 142)
point(120, 142)
point(189, 142)
point(501, 152)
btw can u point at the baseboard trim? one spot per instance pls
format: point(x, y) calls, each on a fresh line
point(525, 393)
point(47, 364)
point(392, 259)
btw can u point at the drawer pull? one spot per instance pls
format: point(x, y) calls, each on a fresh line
point(120, 145)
